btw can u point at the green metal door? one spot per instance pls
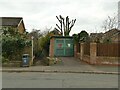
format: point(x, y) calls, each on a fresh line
point(64, 47)
point(69, 48)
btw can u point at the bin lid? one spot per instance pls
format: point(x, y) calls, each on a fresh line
point(25, 55)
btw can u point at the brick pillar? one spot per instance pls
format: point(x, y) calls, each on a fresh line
point(93, 51)
point(51, 51)
point(81, 51)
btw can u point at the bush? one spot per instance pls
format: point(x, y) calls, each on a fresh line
point(13, 44)
point(5, 60)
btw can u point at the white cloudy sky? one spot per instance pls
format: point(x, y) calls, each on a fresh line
point(40, 14)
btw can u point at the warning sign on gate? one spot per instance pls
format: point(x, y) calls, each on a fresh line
point(59, 45)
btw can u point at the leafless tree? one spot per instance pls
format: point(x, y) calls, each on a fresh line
point(65, 25)
point(110, 23)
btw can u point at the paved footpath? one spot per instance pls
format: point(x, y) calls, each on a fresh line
point(67, 65)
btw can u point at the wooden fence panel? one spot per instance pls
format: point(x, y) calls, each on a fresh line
point(109, 49)
point(87, 48)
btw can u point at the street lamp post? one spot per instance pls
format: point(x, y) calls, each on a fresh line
point(32, 49)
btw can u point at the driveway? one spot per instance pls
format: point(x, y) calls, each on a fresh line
point(71, 62)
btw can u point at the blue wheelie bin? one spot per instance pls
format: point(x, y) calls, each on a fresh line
point(25, 60)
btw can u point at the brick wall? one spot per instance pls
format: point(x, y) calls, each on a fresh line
point(51, 51)
point(75, 50)
point(93, 58)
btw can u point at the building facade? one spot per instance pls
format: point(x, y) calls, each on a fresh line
point(15, 22)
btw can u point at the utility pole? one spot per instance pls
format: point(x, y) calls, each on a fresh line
point(32, 49)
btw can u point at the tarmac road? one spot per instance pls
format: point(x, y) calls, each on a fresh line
point(58, 80)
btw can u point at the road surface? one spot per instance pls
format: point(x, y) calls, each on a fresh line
point(58, 80)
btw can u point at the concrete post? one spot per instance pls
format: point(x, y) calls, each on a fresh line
point(31, 63)
point(81, 51)
point(93, 52)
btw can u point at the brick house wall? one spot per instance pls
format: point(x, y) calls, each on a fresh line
point(20, 27)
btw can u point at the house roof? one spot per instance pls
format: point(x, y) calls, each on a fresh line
point(11, 21)
point(112, 33)
point(94, 35)
point(61, 37)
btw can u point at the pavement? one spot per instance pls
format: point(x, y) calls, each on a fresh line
point(67, 65)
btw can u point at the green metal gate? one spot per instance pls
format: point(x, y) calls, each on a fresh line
point(64, 47)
